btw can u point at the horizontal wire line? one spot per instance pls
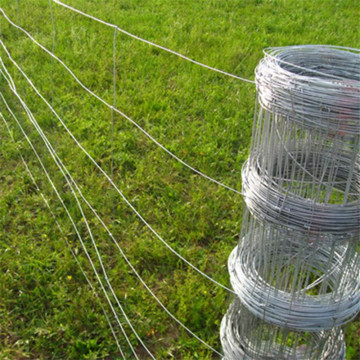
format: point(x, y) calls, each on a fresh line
point(119, 111)
point(57, 161)
point(64, 170)
point(108, 231)
point(110, 180)
point(66, 210)
point(92, 287)
point(153, 44)
point(131, 266)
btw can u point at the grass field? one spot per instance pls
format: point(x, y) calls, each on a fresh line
point(47, 310)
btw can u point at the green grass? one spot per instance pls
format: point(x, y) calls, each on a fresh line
point(47, 310)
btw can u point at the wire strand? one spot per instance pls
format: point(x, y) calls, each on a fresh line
point(67, 177)
point(118, 246)
point(63, 233)
point(153, 44)
point(119, 111)
point(110, 180)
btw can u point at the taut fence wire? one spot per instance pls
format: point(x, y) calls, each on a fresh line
point(78, 195)
point(295, 272)
point(119, 112)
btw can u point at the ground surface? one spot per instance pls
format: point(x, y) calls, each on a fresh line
point(47, 310)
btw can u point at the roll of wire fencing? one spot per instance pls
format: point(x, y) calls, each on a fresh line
point(296, 269)
point(246, 336)
point(284, 278)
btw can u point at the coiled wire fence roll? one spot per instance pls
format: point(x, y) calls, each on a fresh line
point(245, 336)
point(315, 86)
point(304, 166)
point(272, 197)
point(294, 280)
point(296, 269)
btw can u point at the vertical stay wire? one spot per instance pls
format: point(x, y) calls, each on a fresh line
point(62, 169)
point(153, 44)
point(119, 111)
point(109, 179)
point(114, 104)
point(63, 233)
point(18, 21)
point(52, 50)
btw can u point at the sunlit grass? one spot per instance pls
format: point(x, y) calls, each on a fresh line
point(46, 307)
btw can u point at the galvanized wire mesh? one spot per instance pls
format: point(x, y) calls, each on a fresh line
point(296, 269)
point(288, 278)
point(248, 337)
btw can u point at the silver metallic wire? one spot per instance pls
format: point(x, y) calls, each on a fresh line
point(121, 113)
point(316, 86)
point(157, 235)
point(117, 28)
point(296, 307)
point(67, 175)
point(296, 268)
point(274, 199)
point(246, 337)
point(75, 256)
